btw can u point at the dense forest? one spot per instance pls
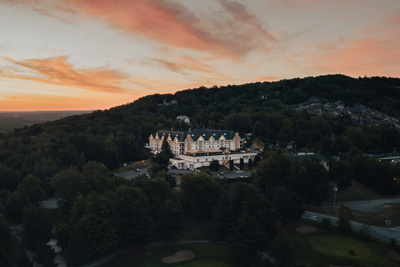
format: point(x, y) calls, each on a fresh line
point(72, 158)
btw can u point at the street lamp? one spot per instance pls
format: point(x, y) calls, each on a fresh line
point(388, 223)
point(335, 189)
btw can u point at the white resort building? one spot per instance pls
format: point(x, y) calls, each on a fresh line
point(199, 147)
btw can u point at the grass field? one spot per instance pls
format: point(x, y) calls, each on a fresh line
point(322, 248)
point(205, 255)
point(339, 246)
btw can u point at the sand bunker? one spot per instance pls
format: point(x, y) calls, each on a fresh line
point(305, 229)
point(182, 255)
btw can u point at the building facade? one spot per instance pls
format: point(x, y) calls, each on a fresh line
point(199, 147)
point(183, 142)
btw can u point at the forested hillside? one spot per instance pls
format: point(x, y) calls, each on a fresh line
point(65, 157)
point(118, 135)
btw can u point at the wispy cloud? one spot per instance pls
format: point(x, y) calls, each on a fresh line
point(265, 79)
point(233, 34)
point(58, 71)
point(47, 8)
point(240, 13)
point(184, 64)
point(376, 53)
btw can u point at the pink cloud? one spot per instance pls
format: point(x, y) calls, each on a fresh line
point(378, 55)
point(184, 64)
point(58, 71)
point(240, 13)
point(265, 79)
point(173, 24)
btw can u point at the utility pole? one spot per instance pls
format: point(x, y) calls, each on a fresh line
point(335, 189)
point(388, 222)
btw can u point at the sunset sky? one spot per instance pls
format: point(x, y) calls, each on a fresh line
point(96, 54)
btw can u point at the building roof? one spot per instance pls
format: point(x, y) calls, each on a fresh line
point(205, 150)
point(307, 156)
point(173, 134)
point(196, 133)
point(207, 133)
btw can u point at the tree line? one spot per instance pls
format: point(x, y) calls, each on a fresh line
point(78, 154)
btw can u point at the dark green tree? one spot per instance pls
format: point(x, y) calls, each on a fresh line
point(14, 206)
point(160, 161)
point(157, 190)
point(281, 251)
point(200, 194)
point(169, 178)
point(231, 165)
point(309, 179)
point(166, 149)
point(134, 211)
point(224, 216)
point(67, 184)
point(257, 158)
point(97, 218)
point(344, 218)
point(5, 242)
point(79, 248)
point(250, 164)
point(340, 172)
point(248, 234)
point(169, 217)
point(241, 164)
point(95, 179)
point(214, 165)
point(272, 172)
point(32, 190)
point(288, 206)
point(36, 225)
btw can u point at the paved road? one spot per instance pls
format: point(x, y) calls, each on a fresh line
point(226, 175)
point(371, 205)
point(133, 174)
point(50, 203)
point(380, 233)
point(232, 174)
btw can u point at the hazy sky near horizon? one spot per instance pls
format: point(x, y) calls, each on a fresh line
point(96, 54)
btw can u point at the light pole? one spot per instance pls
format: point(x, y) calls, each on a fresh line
point(388, 222)
point(335, 189)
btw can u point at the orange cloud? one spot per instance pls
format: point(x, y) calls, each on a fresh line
point(240, 13)
point(367, 56)
point(184, 64)
point(265, 79)
point(58, 71)
point(48, 102)
point(173, 24)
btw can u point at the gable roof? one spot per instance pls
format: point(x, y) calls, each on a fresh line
point(307, 156)
point(196, 133)
point(173, 134)
point(207, 133)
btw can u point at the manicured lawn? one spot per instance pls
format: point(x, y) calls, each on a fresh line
point(324, 248)
point(205, 255)
point(339, 246)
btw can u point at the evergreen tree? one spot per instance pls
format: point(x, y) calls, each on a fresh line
point(37, 228)
point(345, 217)
point(214, 165)
point(250, 164)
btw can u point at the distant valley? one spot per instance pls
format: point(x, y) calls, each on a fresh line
point(10, 120)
